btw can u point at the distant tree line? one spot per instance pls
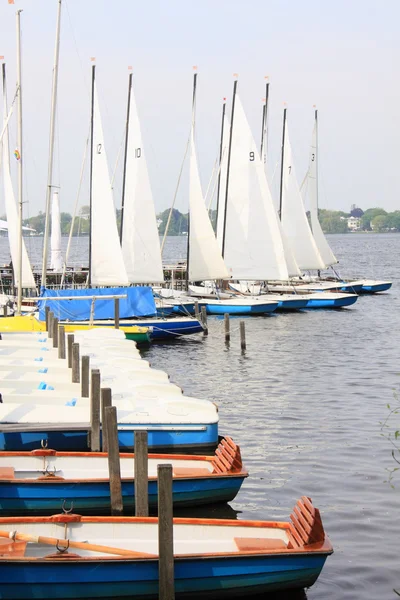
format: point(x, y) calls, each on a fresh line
point(332, 221)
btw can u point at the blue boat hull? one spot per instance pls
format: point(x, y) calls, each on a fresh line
point(291, 304)
point(94, 497)
point(165, 438)
point(202, 577)
point(245, 310)
point(171, 329)
point(331, 302)
point(165, 311)
point(374, 289)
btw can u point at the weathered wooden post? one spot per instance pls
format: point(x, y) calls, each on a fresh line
point(106, 401)
point(85, 364)
point(196, 310)
point(227, 327)
point(75, 363)
point(242, 336)
point(114, 467)
point(61, 341)
point(46, 312)
point(55, 332)
point(116, 313)
point(5, 311)
point(94, 410)
point(141, 474)
point(166, 575)
point(70, 341)
point(50, 325)
point(204, 319)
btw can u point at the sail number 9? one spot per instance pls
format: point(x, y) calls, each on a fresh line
point(251, 156)
point(290, 169)
point(312, 157)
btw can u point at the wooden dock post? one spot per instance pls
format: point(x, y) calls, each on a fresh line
point(61, 341)
point(75, 363)
point(85, 364)
point(242, 336)
point(166, 577)
point(55, 332)
point(106, 402)
point(94, 410)
point(50, 325)
point(70, 341)
point(141, 475)
point(204, 319)
point(114, 467)
point(227, 328)
point(116, 313)
point(196, 310)
point(46, 312)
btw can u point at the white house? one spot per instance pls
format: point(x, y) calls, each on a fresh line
point(354, 223)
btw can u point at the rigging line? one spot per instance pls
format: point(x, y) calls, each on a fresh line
point(216, 180)
point(175, 195)
point(77, 51)
point(210, 180)
point(118, 157)
point(75, 209)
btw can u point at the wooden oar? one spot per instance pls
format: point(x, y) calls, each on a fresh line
point(81, 545)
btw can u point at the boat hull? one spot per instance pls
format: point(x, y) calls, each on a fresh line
point(166, 438)
point(202, 577)
point(375, 287)
point(289, 304)
point(331, 302)
point(92, 497)
point(243, 309)
point(168, 329)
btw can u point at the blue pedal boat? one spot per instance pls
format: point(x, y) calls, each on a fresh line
point(70, 556)
point(43, 479)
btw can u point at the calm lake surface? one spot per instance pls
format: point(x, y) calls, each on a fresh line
point(305, 404)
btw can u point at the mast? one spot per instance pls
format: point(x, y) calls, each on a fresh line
point(188, 221)
point(91, 177)
point(316, 156)
point(19, 146)
point(228, 166)
point(220, 161)
point(282, 157)
point(264, 128)
point(126, 154)
point(51, 148)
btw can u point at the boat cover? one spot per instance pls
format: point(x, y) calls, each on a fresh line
point(139, 302)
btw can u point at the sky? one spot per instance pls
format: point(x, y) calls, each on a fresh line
point(341, 56)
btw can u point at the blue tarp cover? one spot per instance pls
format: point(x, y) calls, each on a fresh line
point(138, 303)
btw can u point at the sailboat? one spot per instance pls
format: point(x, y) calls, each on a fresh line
point(368, 286)
point(23, 275)
point(205, 260)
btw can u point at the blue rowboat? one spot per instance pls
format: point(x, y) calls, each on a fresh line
point(70, 556)
point(40, 480)
point(239, 306)
point(331, 300)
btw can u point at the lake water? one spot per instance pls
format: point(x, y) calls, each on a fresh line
point(305, 404)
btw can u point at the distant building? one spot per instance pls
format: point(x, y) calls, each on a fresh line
point(354, 223)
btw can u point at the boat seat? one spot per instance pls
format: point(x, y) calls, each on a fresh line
point(7, 473)
point(8, 548)
point(190, 471)
point(260, 544)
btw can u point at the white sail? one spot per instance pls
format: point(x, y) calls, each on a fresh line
point(253, 246)
point(140, 239)
point(205, 260)
point(107, 263)
point(56, 259)
point(222, 179)
point(293, 215)
point(28, 280)
point(324, 249)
